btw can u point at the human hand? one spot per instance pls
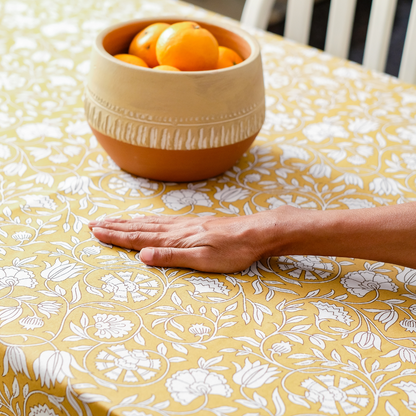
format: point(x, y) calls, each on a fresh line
point(207, 244)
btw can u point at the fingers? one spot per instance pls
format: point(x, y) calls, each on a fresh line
point(192, 258)
point(132, 240)
point(142, 220)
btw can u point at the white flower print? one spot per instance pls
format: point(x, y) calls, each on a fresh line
point(111, 326)
point(279, 121)
point(330, 311)
point(309, 265)
point(408, 324)
point(6, 120)
point(252, 177)
point(39, 201)
point(410, 160)
point(275, 80)
point(362, 126)
point(31, 322)
point(254, 375)
point(356, 203)
point(11, 82)
point(387, 186)
point(356, 160)
point(125, 183)
point(350, 179)
point(54, 29)
point(293, 201)
point(360, 283)
point(179, 199)
point(407, 133)
point(405, 354)
point(367, 340)
point(76, 185)
point(199, 330)
point(230, 193)
point(294, 152)
point(13, 169)
point(140, 289)
point(91, 250)
point(4, 151)
point(281, 348)
point(410, 389)
point(79, 128)
point(320, 170)
point(22, 236)
point(187, 385)
point(41, 410)
point(319, 132)
point(33, 131)
point(407, 276)
point(207, 285)
point(72, 150)
point(60, 271)
point(346, 394)
point(135, 413)
point(348, 73)
point(58, 158)
point(54, 366)
point(15, 358)
point(48, 307)
point(129, 366)
point(11, 276)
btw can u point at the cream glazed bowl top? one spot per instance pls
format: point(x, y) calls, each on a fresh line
point(174, 126)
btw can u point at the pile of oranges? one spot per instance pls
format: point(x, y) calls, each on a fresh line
point(183, 46)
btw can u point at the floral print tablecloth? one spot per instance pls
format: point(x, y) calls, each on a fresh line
point(87, 329)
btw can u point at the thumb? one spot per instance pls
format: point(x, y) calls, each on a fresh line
point(173, 257)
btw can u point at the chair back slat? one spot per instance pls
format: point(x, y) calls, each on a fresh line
point(407, 71)
point(378, 34)
point(340, 22)
point(256, 13)
point(298, 20)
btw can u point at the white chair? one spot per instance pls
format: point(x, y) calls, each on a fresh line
point(256, 13)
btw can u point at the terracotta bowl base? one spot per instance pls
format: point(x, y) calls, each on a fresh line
point(173, 165)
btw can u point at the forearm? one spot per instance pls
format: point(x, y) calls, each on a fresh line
point(385, 234)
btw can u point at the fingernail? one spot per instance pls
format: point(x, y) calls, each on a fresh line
point(146, 255)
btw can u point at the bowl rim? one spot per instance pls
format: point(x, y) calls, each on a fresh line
point(251, 40)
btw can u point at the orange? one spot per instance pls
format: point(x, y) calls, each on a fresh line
point(131, 59)
point(166, 68)
point(227, 57)
point(188, 47)
point(143, 44)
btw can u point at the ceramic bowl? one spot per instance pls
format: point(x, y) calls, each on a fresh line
point(174, 126)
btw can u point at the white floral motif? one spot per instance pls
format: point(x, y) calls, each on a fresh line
point(41, 410)
point(76, 185)
point(31, 322)
point(362, 126)
point(125, 183)
point(281, 348)
point(39, 201)
point(407, 276)
point(54, 366)
point(126, 364)
point(33, 131)
point(408, 324)
point(386, 186)
point(91, 250)
point(294, 152)
point(199, 330)
point(4, 151)
point(111, 326)
point(279, 121)
point(357, 203)
point(15, 358)
point(11, 81)
point(60, 271)
point(179, 199)
point(319, 132)
point(410, 160)
point(230, 193)
point(360, 283)
point(11, 276)
point(328, 311)
point(187, 385)
point(407, 133)
point(306, 264)
point(367, 340)
point(293, 201)
point(405, 354)
point(254, 375)
point(330, 395)
point(207, 285)
point(79, 128)
point(140, 288)
point(410, 389)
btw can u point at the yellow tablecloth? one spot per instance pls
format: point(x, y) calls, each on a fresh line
point(86, 328)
